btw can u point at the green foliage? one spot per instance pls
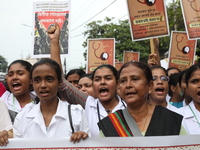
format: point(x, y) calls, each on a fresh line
point(121, 32)
point(3, 64)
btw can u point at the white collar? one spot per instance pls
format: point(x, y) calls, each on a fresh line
point(61, 110)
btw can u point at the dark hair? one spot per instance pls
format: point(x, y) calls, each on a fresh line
point(75, 71)
point(173, 81)
point(27, 66)
point(181, 76)
point(24, 63)
point(51, 63)
point(189, 72)
point(110, 67)
point(168, 69)
point(88, 75)
point(158, 67)
point(144, 67)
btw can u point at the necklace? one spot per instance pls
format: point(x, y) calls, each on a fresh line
point(98, 111)
point(194, 115)
point(108, 111)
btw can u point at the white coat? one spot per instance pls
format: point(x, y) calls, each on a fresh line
point(29, 123)
point(189, 122)
point(92, 113)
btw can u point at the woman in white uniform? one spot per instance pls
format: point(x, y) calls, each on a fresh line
point(50, 117)
point(20, 87)
point(104, 80)
point(191, 112)
point(105, 89)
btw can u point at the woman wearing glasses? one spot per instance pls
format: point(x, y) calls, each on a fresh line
point(140, 118)
point(159, 91)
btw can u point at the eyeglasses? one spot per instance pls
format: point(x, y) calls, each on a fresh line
point(162, 78)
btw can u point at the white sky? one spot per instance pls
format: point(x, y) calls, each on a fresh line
point(16, 26)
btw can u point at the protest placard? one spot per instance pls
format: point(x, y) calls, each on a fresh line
point(182, 50)
point(148, 19)
point(191, 15)
point(118, 65)
point(44, 16)
point(129, 56)
point(100, 51)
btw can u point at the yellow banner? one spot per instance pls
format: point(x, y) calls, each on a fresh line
point(194, 25)
point(180, 62)
point(148, 20)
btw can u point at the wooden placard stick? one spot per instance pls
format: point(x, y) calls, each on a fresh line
point(154, 43)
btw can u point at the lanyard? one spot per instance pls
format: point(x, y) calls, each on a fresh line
point(98, 110)
point(194, 115)
point(13, 103)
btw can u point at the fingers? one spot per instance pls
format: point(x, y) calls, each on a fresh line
point(52, 29)
point(151, 56)
point(152, 60)
point(77, 136)
point(3, 138)
point(57, 28)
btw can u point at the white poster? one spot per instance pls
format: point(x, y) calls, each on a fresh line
point(109, 143)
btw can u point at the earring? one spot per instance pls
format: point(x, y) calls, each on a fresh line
point(181, 93)
point(149, 92)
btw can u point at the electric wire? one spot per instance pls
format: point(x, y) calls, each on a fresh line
point(84, 11)
point(95, 15)
point(117, 19)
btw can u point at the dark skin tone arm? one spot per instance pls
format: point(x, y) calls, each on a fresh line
point(54, 34)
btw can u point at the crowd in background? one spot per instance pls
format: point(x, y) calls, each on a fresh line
point(137, 100)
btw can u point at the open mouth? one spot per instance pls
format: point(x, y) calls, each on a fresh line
point(130, 93)
point(44, 92)
point(16, 86)
point(198, 93)
point(103, 91)
point(159, 90)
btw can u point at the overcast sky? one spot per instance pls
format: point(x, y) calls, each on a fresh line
point(16, 26)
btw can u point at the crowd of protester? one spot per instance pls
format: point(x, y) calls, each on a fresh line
point(142, 99)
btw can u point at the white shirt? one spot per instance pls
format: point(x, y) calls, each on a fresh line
point(189, 122)
point(29, 123)
point(92, 113)
point(5, 122)
point(171, 107)
point(168, 98)
point(11, 102)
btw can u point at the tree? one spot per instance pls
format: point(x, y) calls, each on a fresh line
point(121, 32)
point(3, 64)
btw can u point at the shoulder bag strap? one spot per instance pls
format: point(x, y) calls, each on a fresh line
point(131, 123)
point(70, 118)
